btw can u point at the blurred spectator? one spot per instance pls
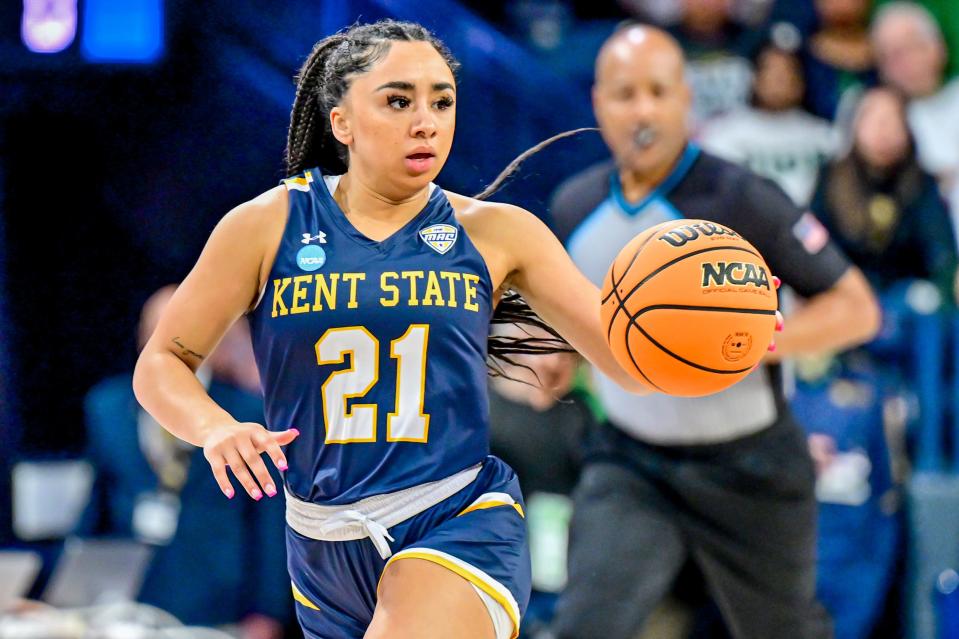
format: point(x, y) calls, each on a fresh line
point(883, 210)
point(775, 137)
point(667, 12)
point(718, 51)
point(911, 54)
point(217, 561)
point(839, 60)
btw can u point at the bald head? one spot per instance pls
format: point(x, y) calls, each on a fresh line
point(639, 45)
point(909, 47)
point(641, 99)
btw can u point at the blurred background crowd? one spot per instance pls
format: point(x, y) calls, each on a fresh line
point(127, 128)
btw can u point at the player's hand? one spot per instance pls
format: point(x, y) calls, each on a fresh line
point(779, 317)
point(238, 446)
point(779, 327)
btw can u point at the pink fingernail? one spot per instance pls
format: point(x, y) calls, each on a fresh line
point(779, 324)
point(777, 282)
point(256, 494)
point(230, 494)
point(772, 347)
point(270, 490)
point(281, 464)
point(296, 430)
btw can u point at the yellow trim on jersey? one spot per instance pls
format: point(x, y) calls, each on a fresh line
point(492, 500)
point(492, 504)
point(465, 574)
point(301, 598)
point(299, 183)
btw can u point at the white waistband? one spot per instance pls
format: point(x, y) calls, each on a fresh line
point(373, 516)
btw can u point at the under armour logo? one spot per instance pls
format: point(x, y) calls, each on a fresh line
point(307, 238)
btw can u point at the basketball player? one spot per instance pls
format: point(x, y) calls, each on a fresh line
point(726, 479)
point(370, 293)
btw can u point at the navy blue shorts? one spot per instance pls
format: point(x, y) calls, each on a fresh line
point(479, 533)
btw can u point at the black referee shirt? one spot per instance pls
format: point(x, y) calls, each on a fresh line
point(595, 221)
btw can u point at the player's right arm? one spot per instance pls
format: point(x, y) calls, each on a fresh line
point(523, 253)
point(223, 285)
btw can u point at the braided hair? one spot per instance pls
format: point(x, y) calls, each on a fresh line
point(324, 79)
point(322, 82)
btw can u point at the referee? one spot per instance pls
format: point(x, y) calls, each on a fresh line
point(725, 480)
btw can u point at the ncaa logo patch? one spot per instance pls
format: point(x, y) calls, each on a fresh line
point(440, 237)
point(311, 257)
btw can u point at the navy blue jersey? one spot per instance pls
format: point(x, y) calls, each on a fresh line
point(375, 351)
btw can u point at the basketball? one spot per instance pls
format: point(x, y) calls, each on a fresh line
point(689, 307)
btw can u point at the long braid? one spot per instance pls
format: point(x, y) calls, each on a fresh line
point(513, 166)
point(301, 151)
point(512, 308)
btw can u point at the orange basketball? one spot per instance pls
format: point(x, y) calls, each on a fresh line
point(689, 307)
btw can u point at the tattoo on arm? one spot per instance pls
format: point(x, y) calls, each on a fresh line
point(186, 351)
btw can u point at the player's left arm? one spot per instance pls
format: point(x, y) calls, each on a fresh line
point(840, 310)
point(536, 265)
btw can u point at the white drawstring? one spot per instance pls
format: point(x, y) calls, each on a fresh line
point(372, 516)
point(377, 531)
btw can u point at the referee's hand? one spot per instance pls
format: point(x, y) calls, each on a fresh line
point(238, 446)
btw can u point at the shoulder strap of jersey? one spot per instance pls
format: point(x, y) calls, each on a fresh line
point(300, 182)
point(306, 204)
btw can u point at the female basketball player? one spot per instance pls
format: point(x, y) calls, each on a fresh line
point(371, 294)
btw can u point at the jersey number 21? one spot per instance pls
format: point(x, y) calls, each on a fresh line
point(357, 423)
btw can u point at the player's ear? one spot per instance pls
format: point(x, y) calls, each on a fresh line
point(340, 124)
